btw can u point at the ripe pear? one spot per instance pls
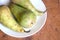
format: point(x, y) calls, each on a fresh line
point(7, 19)
point(27, 4)
point(25, 17)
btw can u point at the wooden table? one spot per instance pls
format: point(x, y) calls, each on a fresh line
point(51, 30)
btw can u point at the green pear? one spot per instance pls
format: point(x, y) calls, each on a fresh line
point(7, 19)
point(27, 4)
point(25, 17)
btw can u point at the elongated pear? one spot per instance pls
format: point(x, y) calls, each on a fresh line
point(24, 17)
point(8, 20)
point(0, 17)
point(27, 4)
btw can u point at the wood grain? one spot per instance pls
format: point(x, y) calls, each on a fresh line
point(51, 30)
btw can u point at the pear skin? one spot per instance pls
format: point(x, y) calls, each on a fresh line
point(8, 20)
point(24, 17)
point(27, 4)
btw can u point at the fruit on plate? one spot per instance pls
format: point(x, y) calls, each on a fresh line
point(7, 19)
point(18, 14)
point(27, 4)
point(25, 17)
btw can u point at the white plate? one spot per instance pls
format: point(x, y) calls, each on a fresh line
point(40, 22)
